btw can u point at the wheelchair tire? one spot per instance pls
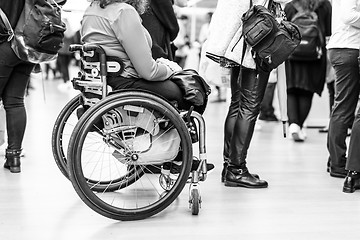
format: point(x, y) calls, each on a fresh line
point(62, 130)
point(111, 153)
point(63, 127)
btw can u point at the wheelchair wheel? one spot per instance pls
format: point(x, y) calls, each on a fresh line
point(63, 127)
point(195, 201)
point(121, 136)
point(61, 133)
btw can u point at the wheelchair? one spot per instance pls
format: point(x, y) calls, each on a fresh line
point(127, 153)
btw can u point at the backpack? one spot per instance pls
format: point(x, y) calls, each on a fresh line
point(39, 33)
point(310, 47)
point(272, 42)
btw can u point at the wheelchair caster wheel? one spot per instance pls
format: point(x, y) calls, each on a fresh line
point(195, 201)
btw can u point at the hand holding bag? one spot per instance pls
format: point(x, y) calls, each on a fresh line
point(195, 89)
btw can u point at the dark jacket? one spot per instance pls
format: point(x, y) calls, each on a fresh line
point(161, 22)
point(12, 10)
point(310, 76)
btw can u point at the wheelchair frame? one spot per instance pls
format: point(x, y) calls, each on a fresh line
point(96, 83)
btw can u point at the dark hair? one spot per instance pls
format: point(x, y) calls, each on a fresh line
point(307, 5)
point(140, 5)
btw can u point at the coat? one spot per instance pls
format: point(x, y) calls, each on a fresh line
point(161, 22)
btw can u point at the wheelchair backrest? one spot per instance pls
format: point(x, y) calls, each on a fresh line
point(95, 67)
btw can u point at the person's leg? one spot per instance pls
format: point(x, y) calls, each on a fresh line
point(352, 180)
point(232, 114)
point(63, 63)
point(13, 99)
point(347, 88)
point(14, 77)
point(267, 109)
point(292, 106)
point(331, 89)
point(305, 102)
point(293, 111)
point(251, 92)
point(231, 119)
point(353, 161)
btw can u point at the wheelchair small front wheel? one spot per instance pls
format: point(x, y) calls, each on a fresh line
point(194, 201)
point(122, 137)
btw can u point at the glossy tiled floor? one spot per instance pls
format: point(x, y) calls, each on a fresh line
point(302, 201)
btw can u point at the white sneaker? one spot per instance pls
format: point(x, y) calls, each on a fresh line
point(296, 133)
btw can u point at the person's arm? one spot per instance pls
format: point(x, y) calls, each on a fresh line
point(350, 15)
point(164, 11)
point(132, 37)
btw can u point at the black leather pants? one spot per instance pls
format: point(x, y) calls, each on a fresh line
point(247, 92)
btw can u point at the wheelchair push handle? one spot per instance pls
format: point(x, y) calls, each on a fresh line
point(92, 47)
point(75, 47)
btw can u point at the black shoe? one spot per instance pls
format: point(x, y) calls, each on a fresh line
point(196, 163)
point(237, 177)
point(352, 182)
point(175, 169)
point(225, 164)
point(339, 173)
point(13, 160)
point(268, 117)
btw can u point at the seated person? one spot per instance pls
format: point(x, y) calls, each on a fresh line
point(116, 26)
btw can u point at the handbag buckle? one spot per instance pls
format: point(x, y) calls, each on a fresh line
point(11, 35)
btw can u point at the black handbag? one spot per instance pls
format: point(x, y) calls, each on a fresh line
point(195, 89)
point(272, 42)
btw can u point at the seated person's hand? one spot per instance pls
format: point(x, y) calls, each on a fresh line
point(172, 65)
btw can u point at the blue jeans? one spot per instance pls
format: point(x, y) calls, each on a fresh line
point(247, 92)
point(347, 89)
point(14, 77)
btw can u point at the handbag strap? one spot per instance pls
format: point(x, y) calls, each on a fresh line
point(7, 25)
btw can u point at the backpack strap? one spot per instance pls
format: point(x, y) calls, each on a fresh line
point(7, 25)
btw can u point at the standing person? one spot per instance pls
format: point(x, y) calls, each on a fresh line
point(306, 77)
point(343, 49)
point(65, 57)
point(247, 90)
point(203, 35)
point(14, 77)
point(161, 22)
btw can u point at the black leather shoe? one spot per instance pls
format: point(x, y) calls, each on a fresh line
point(224, 171)
point(235, 177)
point(12, 157)
point(352, 182)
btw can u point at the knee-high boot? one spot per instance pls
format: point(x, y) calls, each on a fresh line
point(12, 157)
